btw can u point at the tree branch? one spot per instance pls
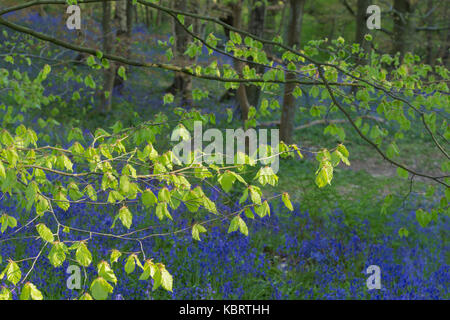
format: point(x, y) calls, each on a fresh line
point(370, 142)
point(164, 66)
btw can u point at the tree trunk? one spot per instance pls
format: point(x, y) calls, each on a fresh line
point(131, 10)
point(124, 21)
point(288, 110)
point(182, 82)
point(120, 17)
point(136, 14)
point(281, 25)
point(158, 15)
point(108, 74)
point(444, 50)
point(403, 27)
point(361, 24)
point(229, 19)
point(41, 11)
point(429, 34)
point(256, 27)
point(361, 30)
point(148, 17)
point(241, 92)
point(271, 26)
point(234, 19)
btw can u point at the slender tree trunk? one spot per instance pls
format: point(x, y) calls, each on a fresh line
point(182, 83)
point(256, 27)
point(288, 110)
point(271, 26)
point(446, 45)
point(148, 17)
point(281, 25)
point(120, 17)
point(229, 19)
point(131, 10)
point(158, 16)
point(41, 11)
point(241, 93)
point(361, 30)
point(361, 24)
point(429, 34)
point(200, 25)
point(446, 55)
point(403, 27)
point(136, 14)
point(124, 21)
point(234, 19)
point(333, 28)
point(108, 74)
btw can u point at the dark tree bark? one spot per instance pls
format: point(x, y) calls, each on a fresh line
point(234, 18)
point(120, 17)
point(124, 21)
point(361, 24)
point(202, 9)
point(272, 11)
point(288, 110)
point(148, 17)
point(444, 51)
point(429, 34)
point(182, 83)
point(131, 10)
point(256, 27)
point(446, 56)
point(403, 27)
point(230, 19)
point(136, 14)
point(281, 24)
point(361, 31)
point(108, 74)
point(158, 15)
point(241, 93)
point(41, 10)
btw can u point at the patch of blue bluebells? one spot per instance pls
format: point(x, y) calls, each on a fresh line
point(286, 256)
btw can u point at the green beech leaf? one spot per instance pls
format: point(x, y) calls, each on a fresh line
point(166, 280)
point(226, 180)
point(29, 291)
point(125, 217)
point(57, 254)
point(104, 270)
point(196, 230)
point(130, 265)
point(86, 296)
point(148, 198)
point(83, 255)
point(45, 233)
point(122, 73)
point(287, 201)
point(13, 273)
point(255, 194)
point(423, 217)
point(5, 294)
point(115, 255)
point(100, 289)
